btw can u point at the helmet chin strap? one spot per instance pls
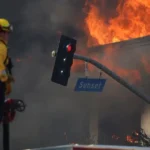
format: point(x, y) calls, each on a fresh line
point(3, 40)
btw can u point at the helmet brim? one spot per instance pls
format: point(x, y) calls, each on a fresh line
point(7, 29)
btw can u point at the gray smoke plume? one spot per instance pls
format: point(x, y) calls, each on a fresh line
point(57, 115)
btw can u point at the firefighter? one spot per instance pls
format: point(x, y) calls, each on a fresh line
point(5, 76)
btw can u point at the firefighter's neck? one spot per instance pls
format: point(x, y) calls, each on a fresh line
point(4, 37)
point(4, 41)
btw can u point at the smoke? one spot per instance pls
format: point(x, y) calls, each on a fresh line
point(53, 110)
point(145, 120)
point(49, 17)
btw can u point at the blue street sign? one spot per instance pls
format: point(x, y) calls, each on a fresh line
point(90, 85)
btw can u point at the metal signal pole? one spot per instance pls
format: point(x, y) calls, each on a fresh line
point(6, 136)
point(114, 76)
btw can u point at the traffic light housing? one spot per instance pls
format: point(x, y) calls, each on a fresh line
point(64, 60)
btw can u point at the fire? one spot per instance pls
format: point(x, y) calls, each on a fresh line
point(128, 139)
point(131, 20)
point(131, 140)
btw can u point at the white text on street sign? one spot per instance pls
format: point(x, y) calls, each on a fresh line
point(90, 85)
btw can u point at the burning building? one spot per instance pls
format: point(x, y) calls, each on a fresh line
point(117, 35)
point(120, 40)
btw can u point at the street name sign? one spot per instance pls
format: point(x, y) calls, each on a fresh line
point(90, 85)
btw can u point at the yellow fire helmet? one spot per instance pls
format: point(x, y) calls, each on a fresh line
point(5, 26)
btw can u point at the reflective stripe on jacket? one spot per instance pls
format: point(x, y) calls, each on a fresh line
point(3, 55)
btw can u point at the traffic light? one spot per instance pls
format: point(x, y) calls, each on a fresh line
point(64, 60)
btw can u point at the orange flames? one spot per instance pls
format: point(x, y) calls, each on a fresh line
point(131, 140)
point(131, 20)
point(128, 139)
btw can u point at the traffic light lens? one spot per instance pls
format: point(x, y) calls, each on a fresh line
point(69, 48)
